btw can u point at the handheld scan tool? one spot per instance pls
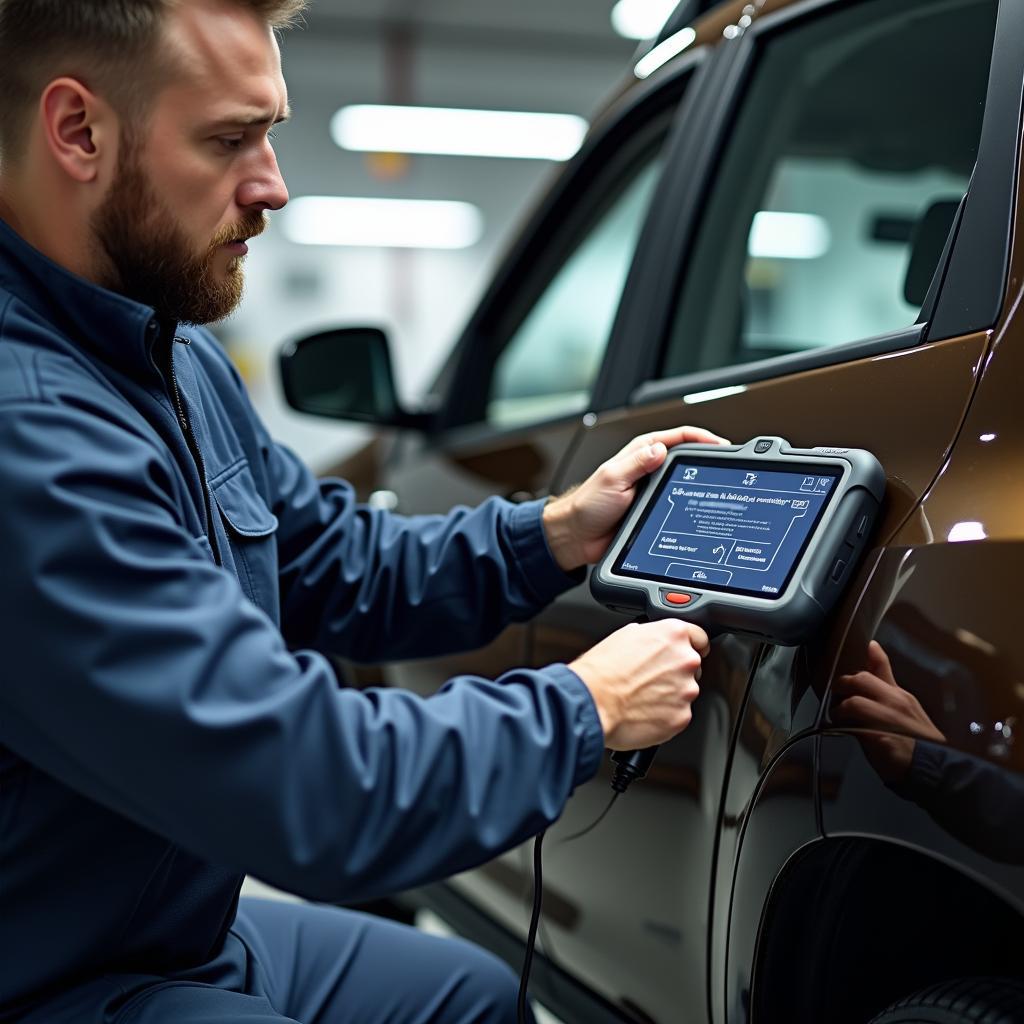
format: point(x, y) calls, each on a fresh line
point(757, 538)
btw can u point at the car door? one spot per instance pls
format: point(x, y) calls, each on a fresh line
point(790, 285)
point(511, 398)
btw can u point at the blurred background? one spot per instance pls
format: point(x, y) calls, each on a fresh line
point(416, 271)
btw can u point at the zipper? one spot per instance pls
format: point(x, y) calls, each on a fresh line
point(193, 445)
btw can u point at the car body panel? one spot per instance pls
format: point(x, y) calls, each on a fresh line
point(769, 816)
point(943, 609)
point(680, 802)
point(941, 601)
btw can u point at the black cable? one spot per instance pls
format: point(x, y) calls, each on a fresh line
point(538, 893)
point(597, 821)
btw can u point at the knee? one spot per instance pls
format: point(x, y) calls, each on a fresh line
point(488, 990)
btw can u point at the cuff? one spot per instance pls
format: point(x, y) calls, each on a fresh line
point(588, 722)
point(927, 765)
point(541, 574)
point(924, 776)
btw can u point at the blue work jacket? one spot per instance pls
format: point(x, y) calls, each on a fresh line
point(170, 578)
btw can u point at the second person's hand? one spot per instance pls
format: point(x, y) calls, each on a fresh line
point(872, 700)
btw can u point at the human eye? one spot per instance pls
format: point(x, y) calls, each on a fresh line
point(231, 142)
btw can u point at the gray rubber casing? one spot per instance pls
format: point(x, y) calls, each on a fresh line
point(814, 585)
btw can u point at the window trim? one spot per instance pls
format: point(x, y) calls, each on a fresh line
point(777, 366)
point(646, 307)
point(973, 292)
point(967, 295)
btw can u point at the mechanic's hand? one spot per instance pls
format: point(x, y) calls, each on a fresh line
point(582, 522)
point(872, 699)
point(643, 679)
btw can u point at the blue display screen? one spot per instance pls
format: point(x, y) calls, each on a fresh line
point(720, 526)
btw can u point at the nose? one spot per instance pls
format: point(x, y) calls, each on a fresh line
point(264, 188)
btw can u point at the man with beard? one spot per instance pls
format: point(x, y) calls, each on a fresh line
point(170, 576)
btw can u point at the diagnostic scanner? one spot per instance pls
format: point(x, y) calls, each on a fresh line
point(757, 538)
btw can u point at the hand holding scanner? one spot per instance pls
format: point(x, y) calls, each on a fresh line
point(757, 538)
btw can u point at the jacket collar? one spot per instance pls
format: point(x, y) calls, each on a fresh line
point(120, 331)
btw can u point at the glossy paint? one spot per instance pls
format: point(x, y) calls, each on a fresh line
point(754, 699)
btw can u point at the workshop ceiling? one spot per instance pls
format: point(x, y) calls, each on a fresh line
point(566, 22)
point(560, 56)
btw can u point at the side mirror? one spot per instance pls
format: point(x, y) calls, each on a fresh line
point(345, 374)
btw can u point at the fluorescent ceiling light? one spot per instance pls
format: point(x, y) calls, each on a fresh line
point(389, 223)
point(641, 19)
point(709, 396)
point(664, 52)
point(452, 132)
point(788, 236)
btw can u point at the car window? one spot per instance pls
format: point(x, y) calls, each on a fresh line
point(550, 361)
point(843, 174)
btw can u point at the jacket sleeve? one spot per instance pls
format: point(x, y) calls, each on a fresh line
point(975, 801)
point(137, 673)
point(370, 585)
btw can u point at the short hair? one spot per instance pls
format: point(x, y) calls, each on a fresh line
point(111, 46)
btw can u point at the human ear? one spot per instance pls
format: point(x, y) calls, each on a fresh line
point(77, 128)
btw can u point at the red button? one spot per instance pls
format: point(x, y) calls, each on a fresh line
point(678, 598)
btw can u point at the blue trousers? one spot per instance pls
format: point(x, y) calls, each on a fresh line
point(288, 962)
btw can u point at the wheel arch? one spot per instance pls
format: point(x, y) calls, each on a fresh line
point(852, 924)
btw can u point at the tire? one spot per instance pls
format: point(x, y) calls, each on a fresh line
point(963, 1001)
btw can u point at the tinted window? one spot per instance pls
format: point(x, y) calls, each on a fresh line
point(852, 151)
point(550, 361)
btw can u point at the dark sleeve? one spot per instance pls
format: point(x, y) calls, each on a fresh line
point(137, 673)
point(976, 801)
point(373, 586)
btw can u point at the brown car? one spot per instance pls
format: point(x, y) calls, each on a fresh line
point(800, 218)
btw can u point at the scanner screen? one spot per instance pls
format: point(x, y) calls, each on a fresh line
point(728, 526)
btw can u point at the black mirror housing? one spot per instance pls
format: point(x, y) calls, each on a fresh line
point(345, 374)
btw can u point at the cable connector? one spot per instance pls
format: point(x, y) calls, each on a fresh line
point(631, 765)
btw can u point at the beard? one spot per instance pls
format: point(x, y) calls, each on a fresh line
point(148, 257)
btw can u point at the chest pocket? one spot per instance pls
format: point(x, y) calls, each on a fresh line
point(247, 537)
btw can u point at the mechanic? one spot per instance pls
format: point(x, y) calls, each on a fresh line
point(172, 579)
